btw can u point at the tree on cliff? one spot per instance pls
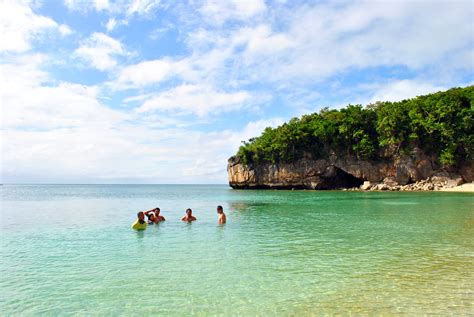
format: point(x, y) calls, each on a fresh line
point(441, 124)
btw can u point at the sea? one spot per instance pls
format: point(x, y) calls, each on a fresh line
point(69, 250)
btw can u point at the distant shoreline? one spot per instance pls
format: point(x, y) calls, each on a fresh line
point(464, 188)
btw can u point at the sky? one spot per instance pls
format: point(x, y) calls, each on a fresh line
point(149, 91)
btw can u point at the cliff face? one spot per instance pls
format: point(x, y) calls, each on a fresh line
point(338, 172)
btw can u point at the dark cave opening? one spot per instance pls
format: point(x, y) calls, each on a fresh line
point(339, 180)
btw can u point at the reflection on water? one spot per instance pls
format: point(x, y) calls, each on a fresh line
point(281, 252)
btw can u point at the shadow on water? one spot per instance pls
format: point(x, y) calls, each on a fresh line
point(238, 206)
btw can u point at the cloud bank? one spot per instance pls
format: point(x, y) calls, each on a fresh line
point(93, 95)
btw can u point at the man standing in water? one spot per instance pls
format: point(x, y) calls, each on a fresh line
point(189, 216)
point(158, 217)
point(222, 218)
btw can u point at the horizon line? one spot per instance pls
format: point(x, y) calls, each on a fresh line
point(114, 184)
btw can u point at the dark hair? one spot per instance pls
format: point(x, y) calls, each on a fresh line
point(138, 215)
point(189, 209)
point(220, 207)
point(157, 209)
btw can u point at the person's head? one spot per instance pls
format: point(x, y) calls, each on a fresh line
point(157, 211)
point(220, 209)
point(189, 212)
point(141, 216)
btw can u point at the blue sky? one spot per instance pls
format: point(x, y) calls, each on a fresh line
point(147, 91)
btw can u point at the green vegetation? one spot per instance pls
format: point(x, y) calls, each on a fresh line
point(441, 124)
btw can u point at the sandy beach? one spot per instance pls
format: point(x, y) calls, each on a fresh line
point(467, 188)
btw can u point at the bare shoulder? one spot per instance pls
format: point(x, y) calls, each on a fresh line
point(222, 219)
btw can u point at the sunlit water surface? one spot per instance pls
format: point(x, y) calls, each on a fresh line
point(70, 250)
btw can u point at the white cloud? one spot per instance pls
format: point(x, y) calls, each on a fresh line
point(211, 150)
point(142, 7)
point(111, 24)
point(255, 128)
point(311, 43)
point(64, 30)
point(197, 99)
point(61, 132)
point(31, 100)
point(404, 89)
point(235, 51)
point(101, 4)
point(101, 51)
point(19, 25)
point(262, 40)
point(24, 69)
point(391, 90)
point(81, 5)
point(330, 38)
point(55, 130)
point(125, 8)
point(211, 53)
point(220, 11)
point(160, 31)
point(150, 72)
point(315, 42)
point(146, 72)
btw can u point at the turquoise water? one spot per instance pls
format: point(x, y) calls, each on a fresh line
point(68, 250)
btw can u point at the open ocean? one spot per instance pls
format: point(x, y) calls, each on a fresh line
point(69, 250)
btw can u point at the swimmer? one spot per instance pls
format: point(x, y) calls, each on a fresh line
point(158, 218)
point(140, 223)
point(222, 218)
point(189, 216)
point(150, 215)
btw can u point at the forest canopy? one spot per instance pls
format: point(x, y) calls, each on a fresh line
point(441, 124)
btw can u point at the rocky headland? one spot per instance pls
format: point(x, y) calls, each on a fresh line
point(406, 173)
point(420, 144)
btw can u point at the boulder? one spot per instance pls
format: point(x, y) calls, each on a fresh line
point(453, 182)
point(428, 186)
point(425, 169)
point(467, 171)
point(390, 181)
point(366, 185)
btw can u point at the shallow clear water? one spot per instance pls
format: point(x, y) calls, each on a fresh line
point(70, 250)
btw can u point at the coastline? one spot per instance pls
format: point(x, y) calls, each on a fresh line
point(464, 188)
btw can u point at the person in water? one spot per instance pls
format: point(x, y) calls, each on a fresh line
point(189, 216)
point(150, 215)
point(158, 217)
point(222, 218)
point(140, 223)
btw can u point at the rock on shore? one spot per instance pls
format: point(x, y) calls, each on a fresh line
point(413, 172)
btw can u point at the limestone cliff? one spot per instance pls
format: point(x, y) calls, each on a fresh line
point(337, 172)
